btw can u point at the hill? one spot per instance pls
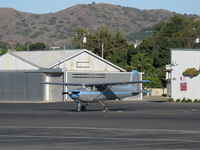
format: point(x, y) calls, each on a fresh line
point(58, 28)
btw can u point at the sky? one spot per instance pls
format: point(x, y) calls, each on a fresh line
point(47, 6)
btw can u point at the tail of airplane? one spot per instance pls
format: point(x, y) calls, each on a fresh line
point(136, 87)
point(134, 77)
point(133, 72)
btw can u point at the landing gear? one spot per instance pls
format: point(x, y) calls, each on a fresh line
point(81, 107)
point(105, 107)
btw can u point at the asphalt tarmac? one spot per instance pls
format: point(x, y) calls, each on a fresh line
point(127, 126)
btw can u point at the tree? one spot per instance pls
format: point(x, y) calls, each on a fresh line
point(117, 49)
point(2, 52)
point(21, 47)
point(38, 46)
point(143, 63)
point(114, 44)
point(4, 45)
point(178, 32)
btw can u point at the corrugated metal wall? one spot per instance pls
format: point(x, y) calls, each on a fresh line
point(55, 91)
point(24, 86)
point(21, 86)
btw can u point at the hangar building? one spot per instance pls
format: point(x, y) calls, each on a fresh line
point(180, 85)
point(21, 72)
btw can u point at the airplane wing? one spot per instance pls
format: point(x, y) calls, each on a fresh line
point(116, 83)
point(96, 84)
point(62, 83)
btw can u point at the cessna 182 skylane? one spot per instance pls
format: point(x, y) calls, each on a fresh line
point(101, 92)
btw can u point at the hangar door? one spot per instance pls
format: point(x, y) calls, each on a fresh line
point(21, 86)
point(54, 92)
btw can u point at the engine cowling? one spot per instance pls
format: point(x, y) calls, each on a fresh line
point(74, 94)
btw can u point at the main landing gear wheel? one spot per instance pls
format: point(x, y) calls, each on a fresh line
point(106, 109)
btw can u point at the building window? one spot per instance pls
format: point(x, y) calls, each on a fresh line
point(82, 64)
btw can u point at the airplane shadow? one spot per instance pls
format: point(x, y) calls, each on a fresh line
point(93, 107)
point(88, 110)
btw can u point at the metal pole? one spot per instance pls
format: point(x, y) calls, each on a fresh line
point(28, 34)
point(102, 50)
point(101, 43)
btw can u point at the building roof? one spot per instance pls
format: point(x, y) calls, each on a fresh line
point(184, 49)
point(44, 59)
point(51, 58)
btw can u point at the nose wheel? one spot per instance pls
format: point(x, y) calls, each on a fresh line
point(81, 107)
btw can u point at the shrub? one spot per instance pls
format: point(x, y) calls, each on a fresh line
point(2, 52)
point(178, 100)
point(52, 21)
point(184, 100)
point(189, 100)
point(170, 100)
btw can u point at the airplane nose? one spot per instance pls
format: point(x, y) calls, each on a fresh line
point(74, 94)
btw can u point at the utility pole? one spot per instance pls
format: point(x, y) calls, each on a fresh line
point(101, 45)
point(28, 33)
point(84, 40)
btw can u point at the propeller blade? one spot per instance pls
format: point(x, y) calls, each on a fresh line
point(71, 92)
point(63, 93)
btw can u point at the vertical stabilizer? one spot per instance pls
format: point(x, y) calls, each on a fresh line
point(133, 73)
point(134, 77)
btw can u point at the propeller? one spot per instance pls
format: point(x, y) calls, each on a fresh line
point(71, 92)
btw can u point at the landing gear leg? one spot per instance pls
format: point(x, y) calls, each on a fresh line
point(105, 107)
point(81, 107)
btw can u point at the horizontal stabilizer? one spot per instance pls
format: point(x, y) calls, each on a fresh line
point(142, 91)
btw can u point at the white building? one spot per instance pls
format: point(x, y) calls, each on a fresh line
point(74, 60)
point(20, 73)
point(184, 86)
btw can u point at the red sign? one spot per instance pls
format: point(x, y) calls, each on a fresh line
point(183, 86)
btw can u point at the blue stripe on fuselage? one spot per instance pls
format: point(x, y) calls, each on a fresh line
point(90, 93)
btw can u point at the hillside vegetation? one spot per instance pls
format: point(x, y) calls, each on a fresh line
point(58, 28)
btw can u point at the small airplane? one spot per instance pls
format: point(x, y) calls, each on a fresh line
point(101, 92)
